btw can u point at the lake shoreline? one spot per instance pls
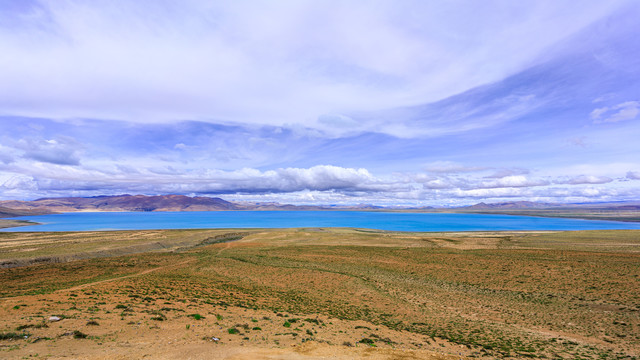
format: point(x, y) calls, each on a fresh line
point(8, 223)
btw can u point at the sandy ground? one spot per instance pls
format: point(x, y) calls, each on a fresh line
point(204, 302)
point(132, 333)
point(216, 351)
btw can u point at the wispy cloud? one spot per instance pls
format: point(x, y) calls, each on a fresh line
point(512, 181)
point(501, 173)
point(62, 151)
point(585, 179)
point(625, 111)
point(153, 61)
point(5, 155)
point(412, 102)
point(448, 167)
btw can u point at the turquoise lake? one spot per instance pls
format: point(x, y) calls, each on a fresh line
point(85, 221)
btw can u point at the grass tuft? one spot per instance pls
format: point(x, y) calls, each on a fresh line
point(77, 334)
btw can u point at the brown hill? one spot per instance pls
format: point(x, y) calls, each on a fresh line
point(515, 205)
point(156, 203)
point(6, 212)
point(510, 205)
point(124, 203)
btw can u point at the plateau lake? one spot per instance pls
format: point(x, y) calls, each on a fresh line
point(393, 221)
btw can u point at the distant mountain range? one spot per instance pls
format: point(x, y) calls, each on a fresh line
point(7, 212)
point(146, 203)
point(618, 211)
point(511, 205)
point(124, 203)
point(612, 206)
point(11, 208)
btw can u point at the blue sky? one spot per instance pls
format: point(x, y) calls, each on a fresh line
point(438, 103)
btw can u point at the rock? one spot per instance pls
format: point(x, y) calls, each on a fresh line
point(54, 318)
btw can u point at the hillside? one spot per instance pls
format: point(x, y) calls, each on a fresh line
point(123, 203)
point(151, 203)
point(6, 212)
point(510, 205)
point(624, 205)
point(618, 211)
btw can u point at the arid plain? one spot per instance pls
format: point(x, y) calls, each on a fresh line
point(320, 293)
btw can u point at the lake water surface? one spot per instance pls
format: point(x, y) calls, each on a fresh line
point(395, 221)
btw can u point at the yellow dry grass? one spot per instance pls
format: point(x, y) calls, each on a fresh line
point(387, 295)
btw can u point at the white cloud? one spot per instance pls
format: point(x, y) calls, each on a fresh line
point(512, 181)
point(149, 61)
point(501, 173)
point(597, 113)
point(283, 180)
point(443, 183)
point(622, 112)
point(437, 184)
point(603, 168)
point(633, 175)
point(584, 179)
point(21, 182)
point(5, 155)
point(489, 193)
point(61, 150)
point(450, 167)
point(318, 178)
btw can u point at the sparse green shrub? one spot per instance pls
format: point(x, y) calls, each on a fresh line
point(233, 331)
point(13, 336)
point(77, 334)
point(367, 341)
point(383, 339)
point(286, 324)
point(35, 326)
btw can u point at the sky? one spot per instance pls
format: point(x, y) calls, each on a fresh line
point(393, 103)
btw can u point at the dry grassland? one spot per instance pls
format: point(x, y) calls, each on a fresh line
point(320, 293)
